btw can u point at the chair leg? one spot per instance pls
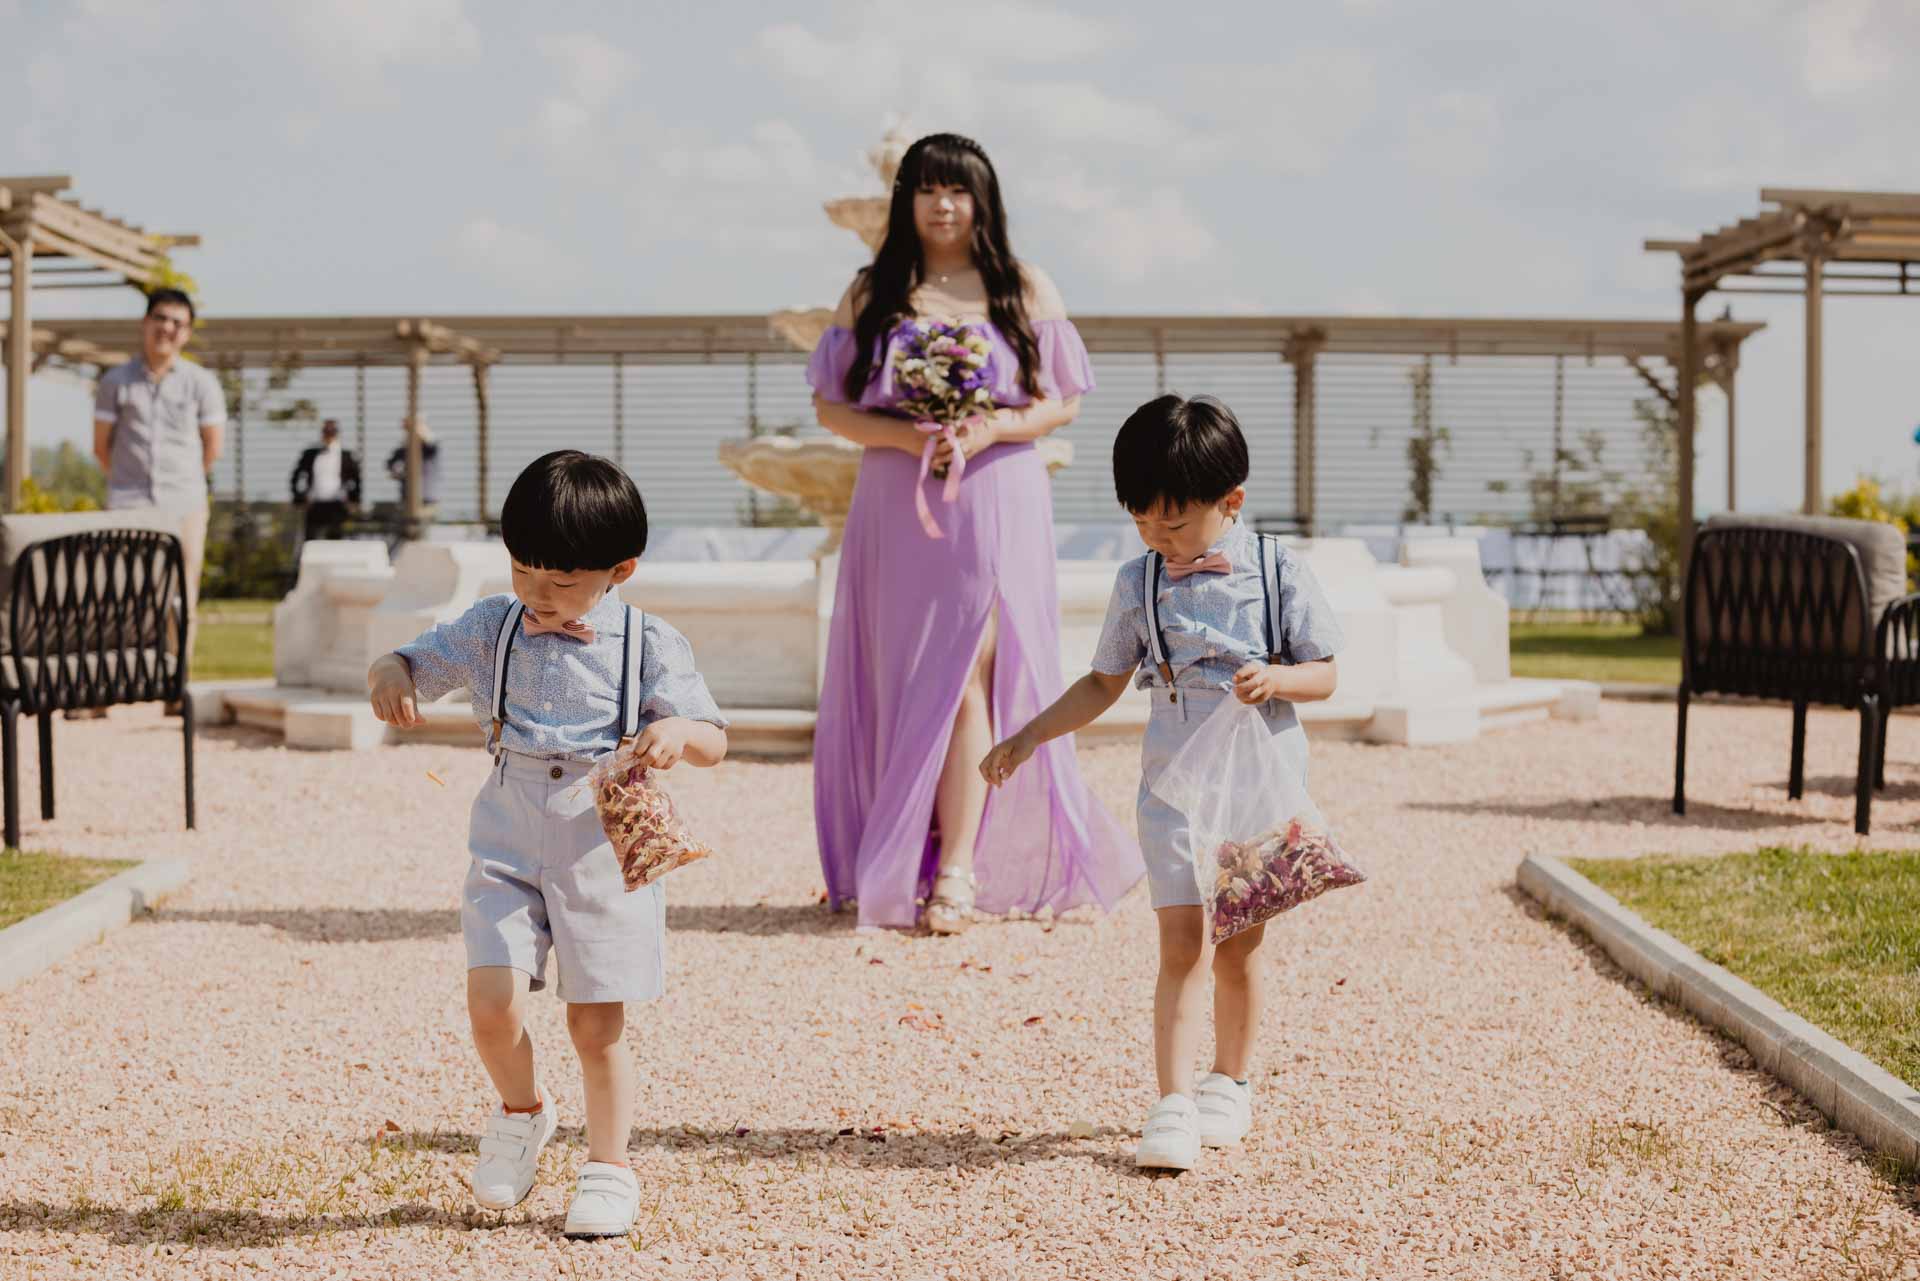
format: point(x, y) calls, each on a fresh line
point(46, 765)
point(1797, 772)
point(1880, 749)
point(10, 763)
point(186, 730)
point(1863, 785)
point(1680, 752)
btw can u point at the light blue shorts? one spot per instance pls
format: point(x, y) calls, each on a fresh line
point(544, 879)
point(1163, 829)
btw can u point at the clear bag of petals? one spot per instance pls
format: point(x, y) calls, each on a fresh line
point(1259, 844)
point(640, 820)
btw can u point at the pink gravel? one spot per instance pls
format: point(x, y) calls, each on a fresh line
point(272, 1078)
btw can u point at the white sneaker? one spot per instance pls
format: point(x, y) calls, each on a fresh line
point(1170, 1139)
point(606, 1201)
point(1226, 1110)
point(510, 1155)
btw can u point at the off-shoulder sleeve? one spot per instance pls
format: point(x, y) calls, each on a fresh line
point(827, 367)
point(1065, 368)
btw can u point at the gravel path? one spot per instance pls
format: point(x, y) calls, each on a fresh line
point(272, 1077)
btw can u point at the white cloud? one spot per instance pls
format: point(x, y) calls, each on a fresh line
point(520, 259)
point(1845, 46)
point(1454, 135)
point(1128, 234)
point(1079, 112)
point(775, 151)
point(1292, 116)
point(591, 68)
point(592, 72)
point(873, 70)
point(358, 34)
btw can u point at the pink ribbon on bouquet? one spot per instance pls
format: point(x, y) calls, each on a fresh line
point(935, 432)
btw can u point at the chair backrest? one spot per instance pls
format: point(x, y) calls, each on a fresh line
point(1772, 612)
point(97, 618)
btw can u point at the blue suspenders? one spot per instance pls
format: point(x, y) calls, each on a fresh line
point(633, 649)
point(1278, 648)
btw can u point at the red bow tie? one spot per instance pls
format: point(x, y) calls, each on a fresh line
point(573, 629)
point(1211, 563)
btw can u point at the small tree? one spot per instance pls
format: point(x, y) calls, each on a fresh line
point(1423, 447)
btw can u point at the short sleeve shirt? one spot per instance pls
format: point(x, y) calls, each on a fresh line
point(155, 452)
point(1216, 623)
point(563, 694)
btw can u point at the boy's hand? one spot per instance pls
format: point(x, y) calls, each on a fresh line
point(1258, 682)
point(662, 744)
point(390, 690)
point(1003, 760)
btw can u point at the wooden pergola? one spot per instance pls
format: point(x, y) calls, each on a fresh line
point(1872, 241)
point(482, 342)
point(52, 241)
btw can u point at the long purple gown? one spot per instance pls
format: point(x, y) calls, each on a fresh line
point(908, 616)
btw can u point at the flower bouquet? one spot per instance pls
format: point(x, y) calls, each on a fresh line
point(940, 369)
point(640, 820)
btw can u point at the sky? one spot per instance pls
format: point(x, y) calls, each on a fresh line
point(1349, 156)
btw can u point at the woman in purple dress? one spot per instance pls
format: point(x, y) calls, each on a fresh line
point(939, 643)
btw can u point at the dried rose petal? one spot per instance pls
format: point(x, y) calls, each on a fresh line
point(1276, 871)
point(641, 823)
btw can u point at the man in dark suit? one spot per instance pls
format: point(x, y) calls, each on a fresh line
point(326, 481)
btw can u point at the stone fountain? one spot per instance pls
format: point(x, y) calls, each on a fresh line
point(818, 472)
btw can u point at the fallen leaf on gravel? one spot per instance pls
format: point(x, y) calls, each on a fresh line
point(1034, 1018)
point(923, 1022)
point(392, 1127)
point(874, 960)
point(741, 1131)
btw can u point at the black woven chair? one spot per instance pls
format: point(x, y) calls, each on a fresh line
point(93, 619)
point(1776, 612)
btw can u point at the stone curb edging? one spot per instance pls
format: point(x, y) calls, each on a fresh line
point(42, 940)
point(1852, 1091)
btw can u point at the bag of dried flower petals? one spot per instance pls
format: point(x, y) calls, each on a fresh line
point(1259, 844)
point(641, 823)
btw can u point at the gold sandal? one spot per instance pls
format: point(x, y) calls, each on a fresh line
point(949, 912)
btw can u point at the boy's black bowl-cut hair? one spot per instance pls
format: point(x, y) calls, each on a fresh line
point(1179, 452)
point(572, 511)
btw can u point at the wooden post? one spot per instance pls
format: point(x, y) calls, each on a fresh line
point(360, 412)
point(619, 409)
point(19, 367)
point(416, 460)
point(1685, 381)
point(1302, 352)
point(1729, 366)
point(753, 428)
point(239, 371)
point(1559, 431)
point(480, 409)
point(1816, 270)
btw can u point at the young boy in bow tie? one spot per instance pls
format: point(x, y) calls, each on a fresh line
point(561, 672)
point(1212, 611)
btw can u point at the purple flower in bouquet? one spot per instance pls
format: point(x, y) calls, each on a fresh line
point(940, 373)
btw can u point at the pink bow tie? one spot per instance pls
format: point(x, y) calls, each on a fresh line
point(573, 629)
point(1211, 563)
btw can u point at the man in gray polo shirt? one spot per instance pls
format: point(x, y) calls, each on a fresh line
point(156, 430)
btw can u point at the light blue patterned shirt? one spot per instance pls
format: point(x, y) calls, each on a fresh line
point(1215, 623)
point(563, 695)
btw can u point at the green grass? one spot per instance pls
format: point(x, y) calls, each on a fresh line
point(235, 640)
point(1833, 937)
point(1606, 652)
point(32, 883)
